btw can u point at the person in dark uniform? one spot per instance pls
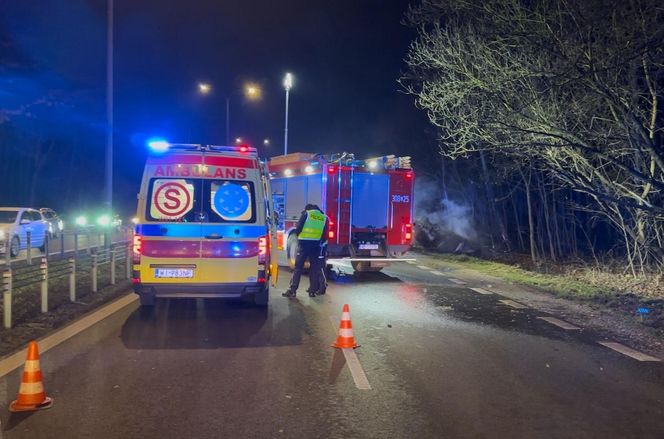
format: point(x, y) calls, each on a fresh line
point(311, 232)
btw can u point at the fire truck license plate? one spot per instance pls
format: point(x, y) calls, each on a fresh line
point(369, 246)
point(174, 272)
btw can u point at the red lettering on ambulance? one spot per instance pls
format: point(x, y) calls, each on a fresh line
point(159, 172)
point(242, 173)
point(230, 172)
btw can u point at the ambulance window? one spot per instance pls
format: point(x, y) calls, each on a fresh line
point(172, 199)
point(230, 201)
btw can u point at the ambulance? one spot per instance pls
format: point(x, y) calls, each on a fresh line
point(204, 225)
point(369, 203)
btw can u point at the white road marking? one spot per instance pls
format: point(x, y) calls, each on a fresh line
point(560, 323)
point(437, 273)
point(457, 281)
point(482, 291)
point(360, 378)
point(513, 304)
point(356, 370)
point(640, 356)
point(411, 262)
point(422, 267)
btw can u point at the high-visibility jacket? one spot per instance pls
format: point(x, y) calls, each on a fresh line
point(314, 225)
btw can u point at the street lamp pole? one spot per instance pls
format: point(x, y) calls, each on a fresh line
point(228, 120)
point(288, 83)
point(109, 107)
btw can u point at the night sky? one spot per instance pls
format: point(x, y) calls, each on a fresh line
point(346, 57)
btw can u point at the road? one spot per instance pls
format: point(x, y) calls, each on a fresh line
point(442, 360)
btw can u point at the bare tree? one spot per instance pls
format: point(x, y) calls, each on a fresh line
point(572, 88)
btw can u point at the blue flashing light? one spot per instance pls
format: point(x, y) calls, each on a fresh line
point(643, 310)
point(158, 144)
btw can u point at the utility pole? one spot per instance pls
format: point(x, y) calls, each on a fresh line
point(288, 83)
point(109, 107)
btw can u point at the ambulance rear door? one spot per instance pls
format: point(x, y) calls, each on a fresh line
point(232, 220)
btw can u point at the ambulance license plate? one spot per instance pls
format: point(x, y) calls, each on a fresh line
point(174, 273)
point(369, 246)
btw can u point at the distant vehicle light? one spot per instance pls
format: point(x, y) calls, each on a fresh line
point(372, 164)
point(331, 169)
point(158, 145)
point(288, 172)
point(81, 221)
point(309, 169)
point(409, 175)
point(104, 220)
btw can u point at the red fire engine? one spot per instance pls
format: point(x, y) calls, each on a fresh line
point(369, 204)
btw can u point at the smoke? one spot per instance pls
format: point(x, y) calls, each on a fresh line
point(441, 222)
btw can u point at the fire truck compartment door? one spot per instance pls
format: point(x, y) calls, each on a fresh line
point(370, 200)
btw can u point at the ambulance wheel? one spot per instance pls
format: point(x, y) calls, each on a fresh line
point(262, 297)
point(147, 300)
point(291, 250)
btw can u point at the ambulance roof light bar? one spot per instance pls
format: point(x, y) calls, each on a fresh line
point(161, 146)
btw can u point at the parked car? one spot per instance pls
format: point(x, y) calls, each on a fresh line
point(15, 223)
point(55, 224)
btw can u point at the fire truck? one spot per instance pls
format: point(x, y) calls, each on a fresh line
point(369, 204)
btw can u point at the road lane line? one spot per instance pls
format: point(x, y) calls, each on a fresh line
point(422, 267)
point(640, 356)
point(437, 273)
point(411, 262)
point(360, 378)
point(8, 364)
point(457, 281)
point(482, 291)
point(513, 304)
point(560, 323)
point(354, 365)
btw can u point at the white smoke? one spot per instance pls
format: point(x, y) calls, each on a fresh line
point(446, 222)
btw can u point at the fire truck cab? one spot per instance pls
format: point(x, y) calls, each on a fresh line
point(369, 204)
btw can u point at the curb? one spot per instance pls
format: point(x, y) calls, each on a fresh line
point(13, 361)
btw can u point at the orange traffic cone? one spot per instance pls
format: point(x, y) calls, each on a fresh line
point(31, 394)
point(345, 338)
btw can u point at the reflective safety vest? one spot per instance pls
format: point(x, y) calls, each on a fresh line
point(313, 226)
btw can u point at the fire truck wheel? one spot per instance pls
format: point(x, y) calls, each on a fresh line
point(291, 250)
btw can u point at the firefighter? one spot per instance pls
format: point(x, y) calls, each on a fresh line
point(312, 235)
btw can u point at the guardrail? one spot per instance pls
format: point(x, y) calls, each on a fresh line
point(75, 264)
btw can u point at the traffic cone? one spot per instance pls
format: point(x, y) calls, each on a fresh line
point(31, 394)
point(345, 339)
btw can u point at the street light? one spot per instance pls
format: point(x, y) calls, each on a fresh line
point(204, 88)
point(238, 140)
point(252, 91)
point(288, 84)
point(266, 142)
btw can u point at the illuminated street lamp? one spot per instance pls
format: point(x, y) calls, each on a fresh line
point(266, 142)
point(238, 140)
point(252, 92)
point(288, 84)
point(204, 88)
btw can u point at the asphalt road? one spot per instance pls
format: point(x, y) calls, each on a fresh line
point(442, 361)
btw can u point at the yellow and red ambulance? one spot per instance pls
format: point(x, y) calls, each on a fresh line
point(205, 225)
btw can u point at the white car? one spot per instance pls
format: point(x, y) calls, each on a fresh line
point(15, 223)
